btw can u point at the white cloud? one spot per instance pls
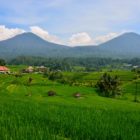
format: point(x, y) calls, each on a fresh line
point(77, 39)
point(80, 39)
point(85, 39)
point(6, 33)
point(104, 38)
point(45, 34)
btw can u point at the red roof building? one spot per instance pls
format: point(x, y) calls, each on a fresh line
point(3, 69)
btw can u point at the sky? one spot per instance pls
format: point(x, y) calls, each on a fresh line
point(69, 22)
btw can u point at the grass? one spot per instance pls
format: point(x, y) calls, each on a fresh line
point(32, 121)
point(63, 117)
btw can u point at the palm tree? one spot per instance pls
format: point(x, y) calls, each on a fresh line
point(108, 85)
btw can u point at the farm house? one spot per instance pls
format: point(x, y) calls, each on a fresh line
point(4, 69)
point(30, 69)
point(41, 69)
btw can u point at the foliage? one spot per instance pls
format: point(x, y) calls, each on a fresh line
point(51, 93)
point(29, 81)
point(108, 86)
point(18, 74)
point(55, 75)
point(136, 70)
point(2, 62)
point(46, 73)
point(69, 63)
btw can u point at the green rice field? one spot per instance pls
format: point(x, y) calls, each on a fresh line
point(28, 113)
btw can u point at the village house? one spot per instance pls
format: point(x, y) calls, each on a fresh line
point(4, 70)
point(30, 69)
point(41, 69)
point(77, 95)
point(135, 67)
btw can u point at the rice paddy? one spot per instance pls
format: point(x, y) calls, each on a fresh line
point(63, 117)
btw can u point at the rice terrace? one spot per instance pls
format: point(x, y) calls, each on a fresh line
point(28, 112)
point(69, 70)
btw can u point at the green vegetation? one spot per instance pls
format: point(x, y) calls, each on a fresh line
point(87, 64)
point(2, 62)
point(108, 85)
point(29, 112)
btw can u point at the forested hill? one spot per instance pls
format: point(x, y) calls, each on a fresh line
point(67, 64)
point(29, 44)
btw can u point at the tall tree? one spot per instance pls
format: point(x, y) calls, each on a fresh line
point(108, 86)
point(2, 62)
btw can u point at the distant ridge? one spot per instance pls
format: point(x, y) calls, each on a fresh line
point(127, 44)
point(29, 44)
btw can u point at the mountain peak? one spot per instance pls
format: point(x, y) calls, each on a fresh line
point(29, 44)
point(29, 35)
point(127, 44)
point(130, 34)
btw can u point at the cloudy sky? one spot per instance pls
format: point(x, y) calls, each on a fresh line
point(71, 22)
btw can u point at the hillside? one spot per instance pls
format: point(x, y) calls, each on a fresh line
point(29, 44)
point(125, 45)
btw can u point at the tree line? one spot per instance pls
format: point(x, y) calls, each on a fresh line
point(2, 62)
point(67, 64)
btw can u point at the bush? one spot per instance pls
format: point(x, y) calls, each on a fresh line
point(2, 62)
point(108, 86)
point(55, 76)
point(30, 81)
point(46, 73)
point(51, 93)
point(18, 75)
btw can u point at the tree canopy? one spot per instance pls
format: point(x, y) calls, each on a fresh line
point(108, 86)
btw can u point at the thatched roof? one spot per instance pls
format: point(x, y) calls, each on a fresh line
point(77, 95)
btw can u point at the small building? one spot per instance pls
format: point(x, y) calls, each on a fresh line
point(127, 65)
point(30, 69)
point(77, 95)
point(135, 67)
point(4, 69)
point(41, 69)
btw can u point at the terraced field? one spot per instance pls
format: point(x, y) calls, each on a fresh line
point(28, 113)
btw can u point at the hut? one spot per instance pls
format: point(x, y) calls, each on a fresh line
point(4, 69)
point(77, 95)
point(30, 69)
point(41, 69)
point(51, 93)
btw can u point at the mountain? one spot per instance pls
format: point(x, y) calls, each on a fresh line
point(29, 44)
point(125, 45)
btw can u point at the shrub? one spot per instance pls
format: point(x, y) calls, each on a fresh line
point(51, 93)
point(108, 86)
point(2, 62)
point(55, 75)
point(46, 73)
point(18, 75)
point(29, 82)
